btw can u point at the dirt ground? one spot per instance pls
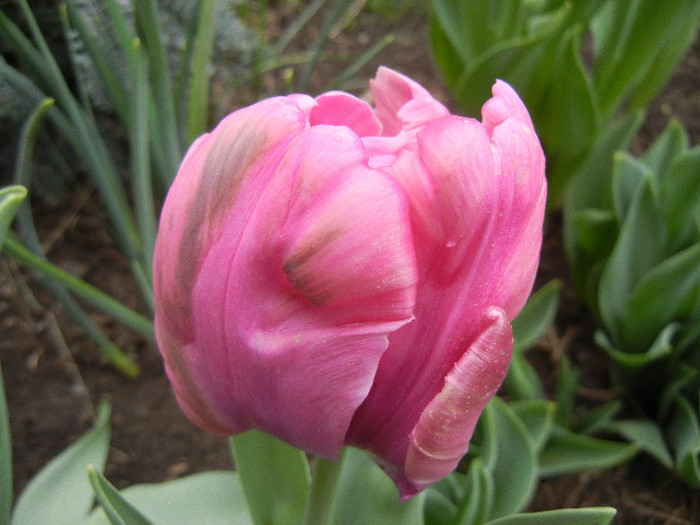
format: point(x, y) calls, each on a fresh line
point(54, 376)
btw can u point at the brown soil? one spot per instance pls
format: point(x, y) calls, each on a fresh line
point(54, 376)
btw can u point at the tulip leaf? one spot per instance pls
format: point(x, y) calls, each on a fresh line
point(438, 508)
point(684, 436)
point(628, 173)
point(274, 475)
point(586, 516)
point(679, 197)
point(118, 510)
point(640, 246)
point(669, 291)
point(477, 502)
point(647, 434)
point(513, 459)
point(365, 494)
point(522, 381)
point(567, 452)
point(599, 418)
point(670, 143)
point(660, 348)
point(538, 417)
point(60, 493)
point(11, 197)
point(214, 498)
point(536, 316)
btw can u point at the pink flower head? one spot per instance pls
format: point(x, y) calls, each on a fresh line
point(336, 274)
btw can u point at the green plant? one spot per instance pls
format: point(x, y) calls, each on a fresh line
point(578, 65)
point(636, 256)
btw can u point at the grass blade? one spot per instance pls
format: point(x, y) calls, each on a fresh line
point(198, 101)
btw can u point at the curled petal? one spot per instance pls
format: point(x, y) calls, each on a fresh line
point(444, 429)
point(342, 109)
point(402, 103)
point(504, 104)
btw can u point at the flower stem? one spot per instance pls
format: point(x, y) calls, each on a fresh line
point(323, 490)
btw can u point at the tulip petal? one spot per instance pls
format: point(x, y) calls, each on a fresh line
point(444, 429)
point(296, 313)
point(342, 109)
point(504, 104)
point(402, 103)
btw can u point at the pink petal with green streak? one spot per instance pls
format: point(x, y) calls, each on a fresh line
point(441, 436)
point(292, 307)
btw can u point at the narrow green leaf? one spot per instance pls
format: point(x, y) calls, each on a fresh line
point(679, 198)
point(598, 419)
point(11, 197)
point(60, 493)
point(275, 477)
point(118, 510)
point(628, 175)
point(567, 452)
point(670, 143)
point(565, 395)
point(5, 447)
point(198, 100)
point(586, 516)
point(361, 61)
point(536, 316)
point(523, 381)
point(366, 494)
point(211, 498)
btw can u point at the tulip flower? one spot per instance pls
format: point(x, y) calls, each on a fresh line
point(336, 274)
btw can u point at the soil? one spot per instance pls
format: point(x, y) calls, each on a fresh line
point(54, 376)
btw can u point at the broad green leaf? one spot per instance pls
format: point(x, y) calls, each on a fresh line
point(116, 508)
point(567, 452)
point(275, 477)
point(438, 508)
point(684, 437)
point(668, 292)
point(365, 494)
point(586, 516)
point(640, 246)
point(536, 316)
point(660, 348)
point(522, 381)
point(538, 417)
point(477, 502)
point(647, 434)
point(60, 493)
point(515, 468)
point(628, 174)
point(211, 498)
point(11, 197)
point(670, 143)
point(679, 198)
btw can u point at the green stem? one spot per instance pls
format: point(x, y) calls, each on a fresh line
point(324, 483)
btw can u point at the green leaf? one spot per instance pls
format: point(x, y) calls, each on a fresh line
point(567, 452)
point(679, 198)
point(628, 174)
point(5, 452)
point(477, 500)
point(640, 246)
point(538, 417)
point(598, 418)
point(365, 494)
point(198, 100)
point(670, 143)
point(684, 437)
point(211, 498)
point(668, 292)
point(565, 395)
point(11, 197)
point(523, 381)
point(647, 434)
point(589, 516)
point(275, 477)
point(438, 508)
point(118, 510)
point(513, 462)
point(660, 348)
point(536, 316)
point(60, 493)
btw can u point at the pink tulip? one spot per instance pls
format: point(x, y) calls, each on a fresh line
point(335, 274)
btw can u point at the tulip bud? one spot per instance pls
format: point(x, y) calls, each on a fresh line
point(336, 274)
